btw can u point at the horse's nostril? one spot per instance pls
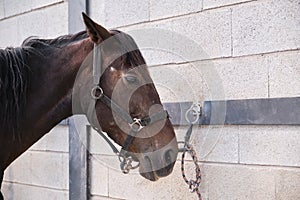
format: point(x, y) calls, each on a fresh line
point(169, 157)
point(149, 164)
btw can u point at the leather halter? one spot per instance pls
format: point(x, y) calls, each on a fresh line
point(135, 124)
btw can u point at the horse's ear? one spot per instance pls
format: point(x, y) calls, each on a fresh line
point(96, 32)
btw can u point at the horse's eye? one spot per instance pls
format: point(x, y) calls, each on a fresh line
point(131, 79)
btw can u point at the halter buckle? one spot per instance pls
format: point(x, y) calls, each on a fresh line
point(94, 92)
point(136, 125)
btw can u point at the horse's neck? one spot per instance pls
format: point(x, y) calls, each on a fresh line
point(50, 96)
point(60, 75)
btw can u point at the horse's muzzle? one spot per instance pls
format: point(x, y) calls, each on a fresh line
point(157, 164)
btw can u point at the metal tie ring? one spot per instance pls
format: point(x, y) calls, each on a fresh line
point(94, 92)
point(195, 111)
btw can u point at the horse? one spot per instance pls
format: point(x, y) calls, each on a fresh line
point(43, 82)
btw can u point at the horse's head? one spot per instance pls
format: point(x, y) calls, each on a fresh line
point(126, 81)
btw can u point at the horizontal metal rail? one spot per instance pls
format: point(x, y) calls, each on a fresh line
point(271, 111)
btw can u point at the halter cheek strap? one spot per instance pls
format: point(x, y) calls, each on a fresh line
point(97, 61)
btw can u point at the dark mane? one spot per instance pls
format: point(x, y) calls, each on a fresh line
point(14, 81)
point(59, 42)
point(15, 75)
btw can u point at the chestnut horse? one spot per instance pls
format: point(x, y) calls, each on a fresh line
point(39, 82)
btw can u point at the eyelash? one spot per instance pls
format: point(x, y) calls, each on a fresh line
point(131, 79)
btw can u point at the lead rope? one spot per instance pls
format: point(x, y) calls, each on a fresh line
point(194, 185)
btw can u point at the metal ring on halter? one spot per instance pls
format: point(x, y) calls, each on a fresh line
point(126, 166)
point(94, 92)
point(136, 125)
point(195, 109)
point(126, 163)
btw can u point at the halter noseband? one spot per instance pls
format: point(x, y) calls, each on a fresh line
point(135, 124)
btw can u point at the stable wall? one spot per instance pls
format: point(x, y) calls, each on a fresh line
point(252, 49)
point(41, 172)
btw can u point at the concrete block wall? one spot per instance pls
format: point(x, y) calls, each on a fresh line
point(250, 50)
point(43, 171)
point(22, 19)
